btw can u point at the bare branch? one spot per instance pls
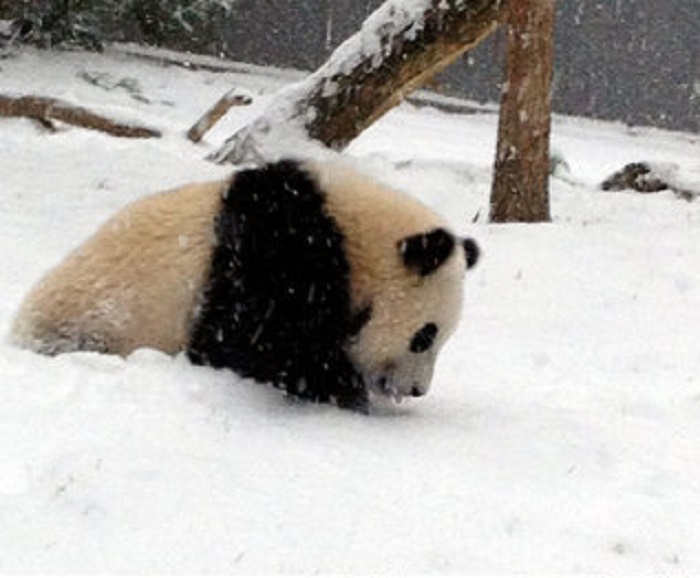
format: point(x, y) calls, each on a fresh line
point(232, 98)
point(46, 109)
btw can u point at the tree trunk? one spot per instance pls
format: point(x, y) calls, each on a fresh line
point(520, 190)
point(400, 47)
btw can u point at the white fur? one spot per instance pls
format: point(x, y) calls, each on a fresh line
point(134, 283)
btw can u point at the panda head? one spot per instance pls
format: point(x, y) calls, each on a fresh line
point(407, 271)
point(400, 332)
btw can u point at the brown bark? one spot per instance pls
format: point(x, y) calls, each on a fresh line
point(348, 94)
point(520, 190)
point(216, 112)
point(45, 110)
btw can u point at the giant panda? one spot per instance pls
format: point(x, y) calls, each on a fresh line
point(307, 275)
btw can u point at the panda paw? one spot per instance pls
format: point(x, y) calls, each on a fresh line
point(356, 401)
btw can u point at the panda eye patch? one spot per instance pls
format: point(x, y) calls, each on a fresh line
point(424, 338)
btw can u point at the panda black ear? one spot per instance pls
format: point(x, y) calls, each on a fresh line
point(426, 252)
point(471, 252)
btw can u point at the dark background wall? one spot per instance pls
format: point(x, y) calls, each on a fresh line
point(637, 61)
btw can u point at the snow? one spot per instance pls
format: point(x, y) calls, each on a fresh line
point(393, 19)
point(561, 434)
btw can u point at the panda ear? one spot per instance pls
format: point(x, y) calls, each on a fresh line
point(426, 252)
point(471, 252)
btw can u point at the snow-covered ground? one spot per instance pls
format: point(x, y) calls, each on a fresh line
point(561, 435)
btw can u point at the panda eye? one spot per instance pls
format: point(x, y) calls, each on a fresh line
point(424, 338)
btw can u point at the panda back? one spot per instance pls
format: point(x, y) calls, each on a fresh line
point(133, 284)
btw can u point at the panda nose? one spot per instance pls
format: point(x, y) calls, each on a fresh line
point(417, 392)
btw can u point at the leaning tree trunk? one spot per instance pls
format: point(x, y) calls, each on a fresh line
point(400, 46)
point(520, 190)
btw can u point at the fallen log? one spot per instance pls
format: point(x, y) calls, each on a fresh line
point(645, 177)
point(45, 110)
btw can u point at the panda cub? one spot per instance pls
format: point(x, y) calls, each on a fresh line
point(307, 275)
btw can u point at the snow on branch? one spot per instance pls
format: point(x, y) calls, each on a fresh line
point(400, 46)
point(46, 109)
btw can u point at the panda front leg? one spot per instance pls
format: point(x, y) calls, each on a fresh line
point(350, 391)
point(356, 401)
point(331, 378)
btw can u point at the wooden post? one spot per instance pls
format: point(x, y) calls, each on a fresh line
point(520, 190)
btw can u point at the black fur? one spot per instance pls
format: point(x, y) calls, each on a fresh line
point(277, 304)
point(424, 338)
point(471, 252)
point(426, 252)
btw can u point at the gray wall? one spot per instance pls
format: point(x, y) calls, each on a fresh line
point(637, 61)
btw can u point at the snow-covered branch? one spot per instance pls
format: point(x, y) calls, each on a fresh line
point(399, 47)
